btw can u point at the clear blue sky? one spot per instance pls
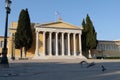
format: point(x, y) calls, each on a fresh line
point(105, 14)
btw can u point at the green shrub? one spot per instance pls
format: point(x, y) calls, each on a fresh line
point(111, 57)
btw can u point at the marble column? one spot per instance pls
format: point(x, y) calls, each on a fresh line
point(37, 44)
point(74, 38)
point(68, 44)
point(50, 48)
point(56, 44)
point(44, 43)
point(80, 45)
point(63, 44)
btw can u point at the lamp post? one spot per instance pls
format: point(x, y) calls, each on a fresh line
point(4, 59)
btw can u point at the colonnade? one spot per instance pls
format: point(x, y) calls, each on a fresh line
point(58, 43)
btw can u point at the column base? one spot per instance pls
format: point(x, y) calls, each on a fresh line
point(38, 56)
point(68, 54)
point(37, 53)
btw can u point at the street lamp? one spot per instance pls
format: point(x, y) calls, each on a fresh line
point(4, 59)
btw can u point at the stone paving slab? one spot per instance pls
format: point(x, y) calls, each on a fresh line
point(55, 69)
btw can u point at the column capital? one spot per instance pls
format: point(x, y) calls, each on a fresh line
point(50, 32)
point(37, 31)
point(74, 33)
point(68, 33)
point(44, 31)
point(56, 32)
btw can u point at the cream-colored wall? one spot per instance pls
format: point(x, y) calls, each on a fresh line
point(41, 42)
point(29, 53)
point(77, 43)
point(71, 43)
point(8, 44)
point(1, 39)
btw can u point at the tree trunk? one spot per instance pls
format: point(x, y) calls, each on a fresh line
point(21, 52)
point(24, 52)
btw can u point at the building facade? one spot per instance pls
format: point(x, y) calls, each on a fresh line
point(50, 40)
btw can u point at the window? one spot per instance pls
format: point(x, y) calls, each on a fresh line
point(1, 44)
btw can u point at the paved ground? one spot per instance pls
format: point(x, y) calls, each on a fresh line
point(60, 70)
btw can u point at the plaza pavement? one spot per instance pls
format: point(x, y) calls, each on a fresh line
point(60, 69)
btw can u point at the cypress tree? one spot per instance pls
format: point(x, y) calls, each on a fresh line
point(20, 30)
point(84, 36)
point(91, 41)
point(23, 35)
point(28, 32)
point(89, 36)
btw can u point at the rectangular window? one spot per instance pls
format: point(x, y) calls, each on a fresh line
point(1, 44)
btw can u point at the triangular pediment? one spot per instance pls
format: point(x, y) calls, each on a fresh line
point(60, 24)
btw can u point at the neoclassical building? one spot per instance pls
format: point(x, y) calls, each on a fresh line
point(50, 40)
point(58, 40)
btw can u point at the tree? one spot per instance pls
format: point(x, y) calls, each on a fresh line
point(88, 36)
point(83, 36)
point(91, 34)
point(23, 35)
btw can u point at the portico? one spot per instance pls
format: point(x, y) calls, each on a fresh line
point(57, 41)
